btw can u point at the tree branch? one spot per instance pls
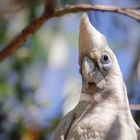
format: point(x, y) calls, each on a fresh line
point(50, 12)
point(18, 41)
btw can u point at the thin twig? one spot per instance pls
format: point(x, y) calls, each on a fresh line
point(135, 107)
point(131, 12)
point(21, 38)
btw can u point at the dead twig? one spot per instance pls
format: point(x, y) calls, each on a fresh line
point(135, 107)
point(131, 12)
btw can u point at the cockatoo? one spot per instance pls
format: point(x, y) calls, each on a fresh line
point(102, 112)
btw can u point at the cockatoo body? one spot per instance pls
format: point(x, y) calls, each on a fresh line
point(103, 111)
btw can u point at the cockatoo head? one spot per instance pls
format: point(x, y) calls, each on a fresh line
point(98, 64)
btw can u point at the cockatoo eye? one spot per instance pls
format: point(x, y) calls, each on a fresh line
point(105, 59)
point(106, 62)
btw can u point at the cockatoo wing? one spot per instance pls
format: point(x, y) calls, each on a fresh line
point(63, 128)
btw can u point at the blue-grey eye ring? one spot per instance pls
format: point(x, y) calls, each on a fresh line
point(105, 59)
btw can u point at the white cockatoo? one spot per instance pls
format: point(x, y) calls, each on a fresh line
point(102, 112)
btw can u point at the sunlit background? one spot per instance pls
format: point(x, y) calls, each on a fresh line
point(41, 81)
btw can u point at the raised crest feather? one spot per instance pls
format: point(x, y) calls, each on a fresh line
point(89, 37)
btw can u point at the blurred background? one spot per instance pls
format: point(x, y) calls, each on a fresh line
point(41, 81)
